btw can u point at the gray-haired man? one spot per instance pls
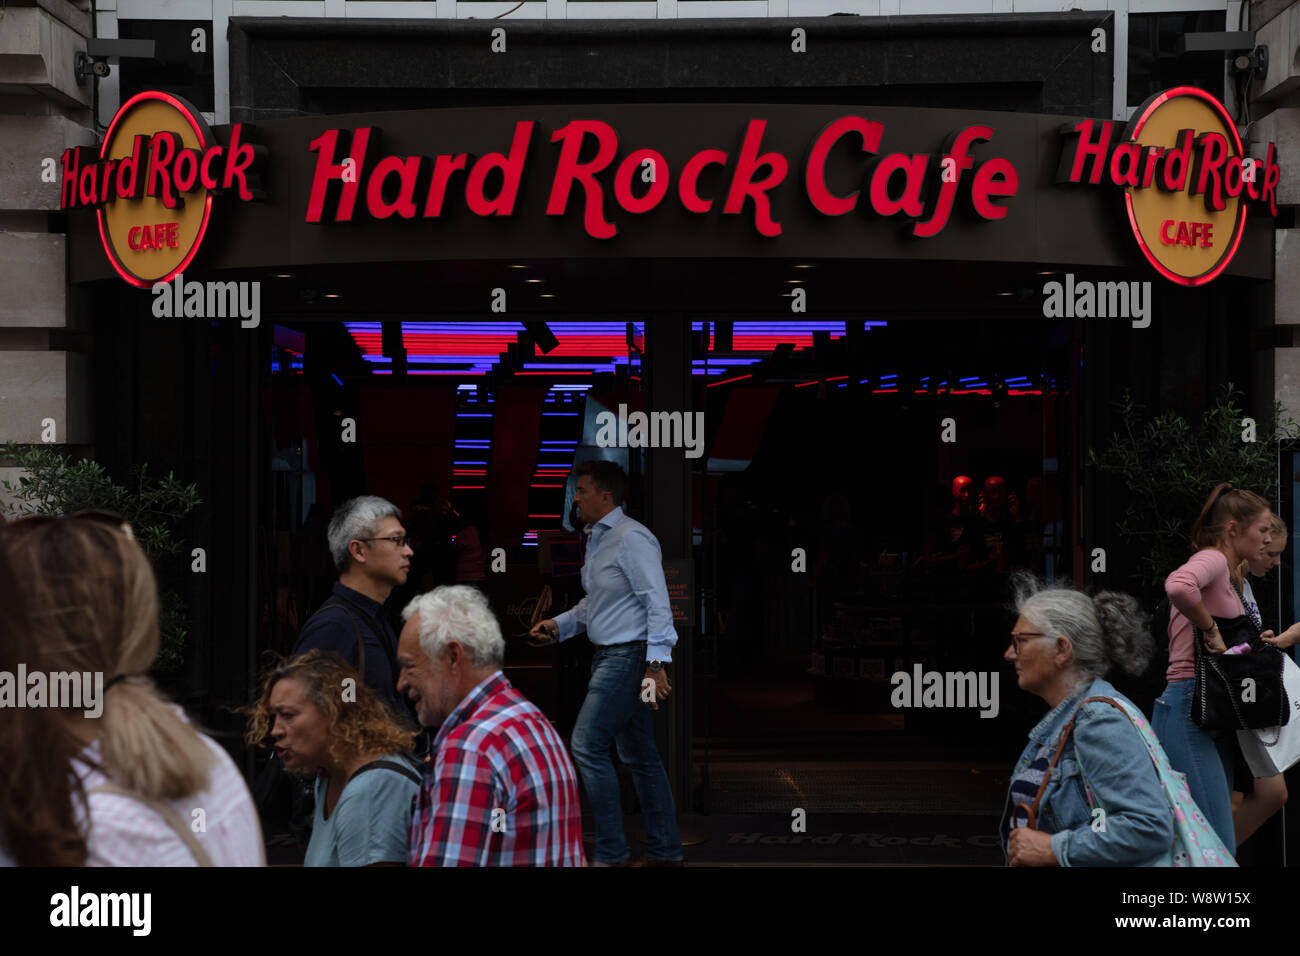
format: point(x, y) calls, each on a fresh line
point(368, 544)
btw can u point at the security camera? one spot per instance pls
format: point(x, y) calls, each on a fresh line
point(94, 59)
point(88, 64)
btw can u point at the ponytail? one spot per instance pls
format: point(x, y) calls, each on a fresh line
point(147, 747)
point(1225, 504)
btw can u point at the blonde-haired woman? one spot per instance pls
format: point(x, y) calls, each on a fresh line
point(326, 722)
point(85, 601)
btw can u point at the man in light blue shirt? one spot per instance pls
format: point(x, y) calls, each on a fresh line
point(626, 614)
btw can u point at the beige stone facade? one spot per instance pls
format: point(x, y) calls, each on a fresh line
point(1275, 105)
point(43, 111)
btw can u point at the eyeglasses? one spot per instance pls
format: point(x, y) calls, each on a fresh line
point(397, 539)
point(1020, 638)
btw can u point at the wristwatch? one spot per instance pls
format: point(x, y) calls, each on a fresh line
point(655, 666)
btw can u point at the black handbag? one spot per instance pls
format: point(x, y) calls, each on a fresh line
point(1221, 681)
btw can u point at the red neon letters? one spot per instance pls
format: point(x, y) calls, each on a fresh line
point(158, 166)
point(918, 172)
point(918, 185)
point(1174, 232)
point(1201, 165)
point(159, 236)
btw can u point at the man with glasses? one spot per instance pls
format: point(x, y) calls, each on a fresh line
point(370, 550)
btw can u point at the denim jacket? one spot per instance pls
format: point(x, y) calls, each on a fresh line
point(1107, 759)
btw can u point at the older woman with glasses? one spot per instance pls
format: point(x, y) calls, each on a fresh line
point(325, 723)
point(1086, 791)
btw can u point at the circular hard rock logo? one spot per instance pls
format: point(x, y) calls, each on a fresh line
point(1190, 225)
point(152, 182)
point(154, 227)
point(1185, 178)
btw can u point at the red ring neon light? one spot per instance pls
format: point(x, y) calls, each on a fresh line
point(1135, 127)
point(183, 108)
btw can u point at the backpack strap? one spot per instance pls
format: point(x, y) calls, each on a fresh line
point(1032, 822)
point(170, 817)
point(408, 768)
point(357, 619)
point(356, 624)
point(1066, 733)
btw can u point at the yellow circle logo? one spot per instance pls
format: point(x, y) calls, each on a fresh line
point(153, 160)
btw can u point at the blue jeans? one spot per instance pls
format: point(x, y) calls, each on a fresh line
point(614, 712)
point(1206, 756)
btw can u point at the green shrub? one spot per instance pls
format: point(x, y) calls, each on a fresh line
point(1170, 466)
point(56, 484)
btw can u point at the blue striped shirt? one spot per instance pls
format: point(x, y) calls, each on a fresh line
point(627, 596)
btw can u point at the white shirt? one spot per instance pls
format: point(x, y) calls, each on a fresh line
point(125, 832)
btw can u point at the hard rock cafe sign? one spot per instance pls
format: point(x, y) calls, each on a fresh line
point(1185, 177)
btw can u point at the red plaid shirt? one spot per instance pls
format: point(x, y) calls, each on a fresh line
point(501, 792)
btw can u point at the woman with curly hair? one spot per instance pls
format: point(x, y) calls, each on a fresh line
point(323, 719)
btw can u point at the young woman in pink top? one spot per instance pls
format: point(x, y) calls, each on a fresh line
point(1233, 527)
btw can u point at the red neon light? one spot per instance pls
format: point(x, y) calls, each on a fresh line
point(546, 486)
point(726, 380)
point(467, 487)
point(436, 343)
point(1239, 228)
point(109, 251)
point(571, 346)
